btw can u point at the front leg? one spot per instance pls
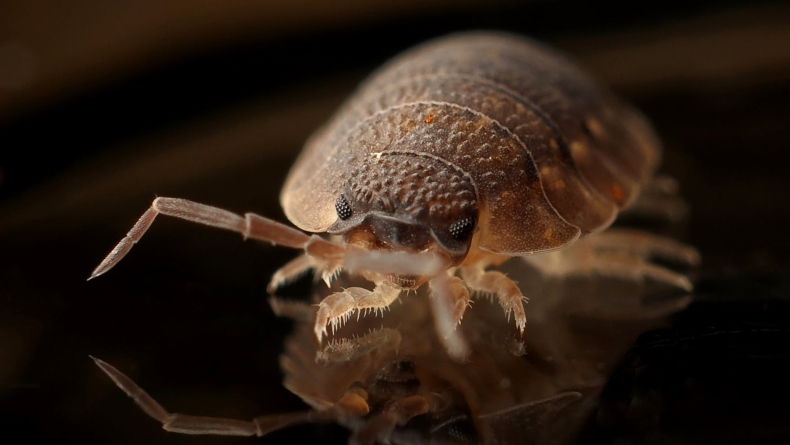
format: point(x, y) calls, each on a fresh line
point(507, 292)
point(336, 308)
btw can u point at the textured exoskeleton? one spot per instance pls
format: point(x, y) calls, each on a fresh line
point(452, 158)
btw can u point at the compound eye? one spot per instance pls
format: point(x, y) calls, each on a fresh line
point(343, 208)
point(460, 230)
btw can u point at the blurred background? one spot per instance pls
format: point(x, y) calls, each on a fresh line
point(104, 105)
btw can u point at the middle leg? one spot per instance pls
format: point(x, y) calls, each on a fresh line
point(493, 282)
point(449, 300)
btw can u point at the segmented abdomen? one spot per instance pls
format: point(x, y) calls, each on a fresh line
point(590, 152)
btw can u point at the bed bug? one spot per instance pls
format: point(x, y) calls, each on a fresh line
point(452, 158)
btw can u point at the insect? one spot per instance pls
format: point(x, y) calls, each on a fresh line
point(452, 158)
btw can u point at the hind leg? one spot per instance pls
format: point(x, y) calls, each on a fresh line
point(659, 200)
point(620, 253)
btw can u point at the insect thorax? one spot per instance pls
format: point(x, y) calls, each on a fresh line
point(411, 184)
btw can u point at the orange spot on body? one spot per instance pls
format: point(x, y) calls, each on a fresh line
point(429, 119)
point(617, 192)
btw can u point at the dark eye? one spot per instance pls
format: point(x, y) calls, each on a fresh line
point(343, 207)
point(460, 230)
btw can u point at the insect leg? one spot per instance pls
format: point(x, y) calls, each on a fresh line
point(449, 300)
point(644, 245)
point(659, 200)
point(291, 271)
point(186, 424)
point(620, 253)
point(338, 307)
point(494, 282)
point(250, 226)
point(295, 310)
point(348, 349)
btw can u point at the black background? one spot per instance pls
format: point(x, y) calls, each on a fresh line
point(220, 120)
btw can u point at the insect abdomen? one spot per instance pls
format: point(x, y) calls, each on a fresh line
point(586, 117)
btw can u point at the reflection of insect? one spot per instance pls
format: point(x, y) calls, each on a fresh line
point(455, 156)
point(398, 385)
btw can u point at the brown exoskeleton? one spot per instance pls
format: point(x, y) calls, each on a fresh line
point(455, 157)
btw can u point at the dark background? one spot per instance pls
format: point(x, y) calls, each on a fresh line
point(104, 105)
